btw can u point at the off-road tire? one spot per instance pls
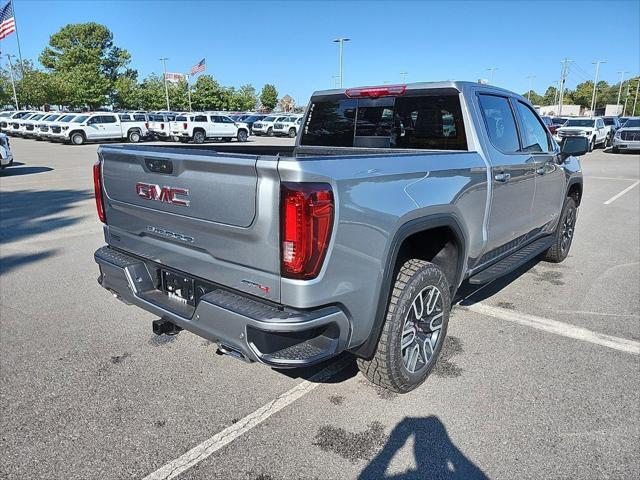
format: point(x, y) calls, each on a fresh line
point(386, 368)
point(560, 249)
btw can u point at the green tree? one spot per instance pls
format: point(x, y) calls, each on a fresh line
point(127, 92)
point(84, 56)
point(582, 94)
point(152, 94)
point(269, 96)
point(533, 97)
point(550, 97)
point(208, 94)
point(245, 98)
point(178, 96)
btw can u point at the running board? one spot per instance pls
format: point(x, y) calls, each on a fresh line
point(513, 261)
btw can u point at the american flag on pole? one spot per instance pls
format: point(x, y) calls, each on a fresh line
point(198, 67)
point(7, 21)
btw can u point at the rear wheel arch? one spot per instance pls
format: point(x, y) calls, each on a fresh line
point(439, 239)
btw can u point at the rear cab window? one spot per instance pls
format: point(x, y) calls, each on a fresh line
point(422, 120)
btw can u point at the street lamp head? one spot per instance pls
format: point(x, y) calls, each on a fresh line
point(338, 40)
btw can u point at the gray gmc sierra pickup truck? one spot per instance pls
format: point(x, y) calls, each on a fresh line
point(355, 239)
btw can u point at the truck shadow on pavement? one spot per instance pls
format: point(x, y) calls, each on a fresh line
point(15, 171)
point(436, 457)
point(24, 213)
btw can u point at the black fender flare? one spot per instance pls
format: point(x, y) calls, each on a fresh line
point(368, 348)
point(575, 181)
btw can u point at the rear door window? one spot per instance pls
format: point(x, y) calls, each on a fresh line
point(500, 123)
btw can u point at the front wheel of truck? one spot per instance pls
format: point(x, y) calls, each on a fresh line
point(564, 233)
point(414, 329)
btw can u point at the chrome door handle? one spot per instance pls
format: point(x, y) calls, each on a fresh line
point(502, 177)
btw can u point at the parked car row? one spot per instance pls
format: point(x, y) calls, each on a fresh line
point(197, 127)
point(600, 131)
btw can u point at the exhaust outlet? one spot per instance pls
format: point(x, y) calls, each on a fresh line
point(165, 327)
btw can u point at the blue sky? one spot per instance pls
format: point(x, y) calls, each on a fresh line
point(289, 43)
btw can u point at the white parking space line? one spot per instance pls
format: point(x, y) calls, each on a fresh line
point(615, 197)
point(611, 178)
point(559, 328)
point(228, 435)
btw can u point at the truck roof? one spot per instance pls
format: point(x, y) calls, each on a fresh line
point(457, 85)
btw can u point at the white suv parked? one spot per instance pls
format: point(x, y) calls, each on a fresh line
point(201, 126)
point(159, 124)
point(289, 126)
point(265, 126)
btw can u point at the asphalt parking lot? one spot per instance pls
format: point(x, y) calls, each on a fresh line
point(539, 378)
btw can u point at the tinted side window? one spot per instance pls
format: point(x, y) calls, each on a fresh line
point(534, 134)
point(139, 118)
point(330, 123)
point(94, 120)
point(200, 118)
point(500, 123)
point(125, 118)
point(108, 119)
point(226, 120)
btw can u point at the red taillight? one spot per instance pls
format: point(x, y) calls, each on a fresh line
point(375, 92)
point(306, 221)
point(97, 189)
point(184, 125)
point(162, 126)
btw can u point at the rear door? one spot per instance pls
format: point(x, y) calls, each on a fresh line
point(111, 126)
point(228, 127)
point(549, 177)
point(512, 176)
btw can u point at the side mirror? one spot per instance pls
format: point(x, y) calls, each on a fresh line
point(574, 146)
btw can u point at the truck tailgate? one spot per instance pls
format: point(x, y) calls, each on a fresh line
point(214, 215)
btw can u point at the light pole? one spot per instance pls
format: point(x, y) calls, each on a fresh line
point(530, 78)
point(491, 69)
point(404, 76)
point(335, 79)
point(595, 85)
point(13, 82)
point(341, 42)
point(166, 89)
point(620, 89)
point(188, 91)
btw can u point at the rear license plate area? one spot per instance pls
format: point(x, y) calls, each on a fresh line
point(178, 287)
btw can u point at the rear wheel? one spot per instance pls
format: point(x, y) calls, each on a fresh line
point(292, 133)
point(134, 136)
point(414, 328)
point(77, 138)
point(270, 132)
point(242, 136)
point(198, 136)
point(564, 233)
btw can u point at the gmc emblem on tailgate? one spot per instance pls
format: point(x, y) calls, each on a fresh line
point(163, 194)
